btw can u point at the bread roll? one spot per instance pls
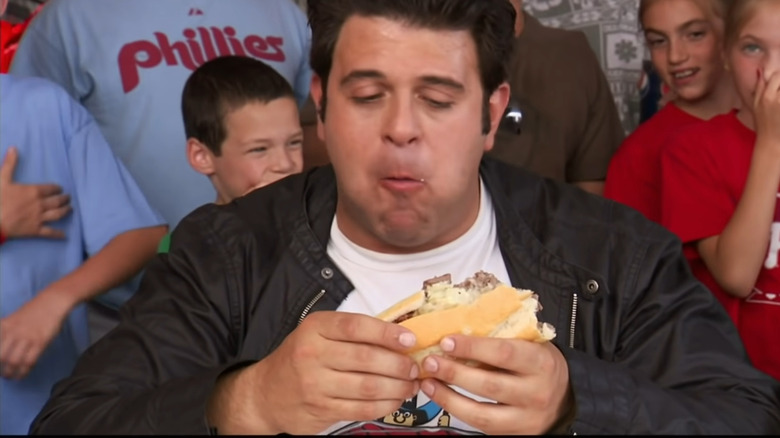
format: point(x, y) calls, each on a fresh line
point(480, 306)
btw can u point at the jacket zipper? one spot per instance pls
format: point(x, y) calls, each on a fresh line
point(310, 305)
point(573, 320)
point(572, 325)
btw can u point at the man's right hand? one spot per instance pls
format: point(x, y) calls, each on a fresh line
point(25, 209)
point(335, 366)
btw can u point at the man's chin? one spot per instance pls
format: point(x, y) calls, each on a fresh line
point(406, 238)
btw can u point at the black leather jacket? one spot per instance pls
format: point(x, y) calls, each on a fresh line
point(649, 349)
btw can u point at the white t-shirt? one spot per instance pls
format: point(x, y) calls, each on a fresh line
point(381, 280)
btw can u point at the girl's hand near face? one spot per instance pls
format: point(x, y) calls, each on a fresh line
point(766, 109)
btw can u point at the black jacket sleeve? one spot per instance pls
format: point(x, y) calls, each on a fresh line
point(680, 367)
point(145, 377)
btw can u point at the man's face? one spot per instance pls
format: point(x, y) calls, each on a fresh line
point(403, 129)
point(262, 145)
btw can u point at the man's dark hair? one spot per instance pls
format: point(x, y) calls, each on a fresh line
point(490, 22)
point(222, 85)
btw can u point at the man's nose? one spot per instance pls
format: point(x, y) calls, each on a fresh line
point(401, 121)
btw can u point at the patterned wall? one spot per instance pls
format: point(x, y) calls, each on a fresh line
point(612, 29)
point(610, 26)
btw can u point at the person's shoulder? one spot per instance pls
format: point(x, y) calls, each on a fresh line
point(546, 205)
point(65, 10)
point(210, 230)
point(295, 196)
point(65, 18)
point(289, 6)
point(623, 228)
point(652, 131)
point(715, 126)
point(89, 8)
point(562, 42)
point(276, 9)
point(566, 51)
point(35, 93)
point(694, 138)
point(263, 214)
point(661, 127)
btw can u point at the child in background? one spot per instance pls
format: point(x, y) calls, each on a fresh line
point(90, 245)
point(685, 38)
point(242, 126)
point(720, 186)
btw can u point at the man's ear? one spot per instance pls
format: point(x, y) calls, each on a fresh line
point(316, 96)
point(200, 157)
point(496, 108)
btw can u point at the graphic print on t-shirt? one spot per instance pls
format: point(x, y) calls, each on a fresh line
point(198, 45)
point(410, 419)
point(767, 288)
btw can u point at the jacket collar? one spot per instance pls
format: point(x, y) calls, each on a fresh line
point(521, 208)
point(525, 205)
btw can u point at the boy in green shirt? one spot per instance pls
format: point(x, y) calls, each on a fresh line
point(242, 126)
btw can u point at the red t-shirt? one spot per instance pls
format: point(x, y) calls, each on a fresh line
point(704, 168)
point(634, 173)
point(10, 35)
point(9, 39)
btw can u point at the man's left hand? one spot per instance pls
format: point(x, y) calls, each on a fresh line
point(529, 382)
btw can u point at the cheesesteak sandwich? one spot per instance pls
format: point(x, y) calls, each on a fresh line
point(479, 306)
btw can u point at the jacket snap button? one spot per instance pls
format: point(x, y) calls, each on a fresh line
point(327, 273)
point(592, 286)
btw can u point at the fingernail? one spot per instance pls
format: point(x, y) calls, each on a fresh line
point(447, 344)
point(415, 372)
point(427, 387)
point(407, 339)
point(430, 365)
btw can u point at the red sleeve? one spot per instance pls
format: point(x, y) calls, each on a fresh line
point(10, 36)
point(694, 201)
point(628, 180)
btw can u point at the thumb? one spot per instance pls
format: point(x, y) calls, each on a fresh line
point(9, 165)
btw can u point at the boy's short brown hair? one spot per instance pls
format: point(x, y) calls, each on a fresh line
point(222, 85)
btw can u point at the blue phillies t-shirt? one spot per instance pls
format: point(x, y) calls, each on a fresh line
point(127, 62)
